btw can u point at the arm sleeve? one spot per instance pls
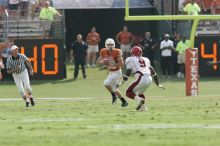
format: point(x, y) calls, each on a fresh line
point(25, 57)
point(154, 74)
point(152, 71)
point(53, 10)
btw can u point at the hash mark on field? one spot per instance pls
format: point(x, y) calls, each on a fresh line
point(42, 120)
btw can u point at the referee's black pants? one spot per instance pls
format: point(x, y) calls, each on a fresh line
point(78, 62)
point(166, 64)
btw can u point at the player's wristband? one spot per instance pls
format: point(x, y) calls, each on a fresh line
point(125, 78)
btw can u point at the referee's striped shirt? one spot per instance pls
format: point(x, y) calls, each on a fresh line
point(13, 62)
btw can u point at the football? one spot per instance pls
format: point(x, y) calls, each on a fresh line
point(106, 61)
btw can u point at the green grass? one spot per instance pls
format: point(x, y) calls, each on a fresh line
point(94, 121)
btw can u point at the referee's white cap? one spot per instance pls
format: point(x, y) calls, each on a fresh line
point(14, 47)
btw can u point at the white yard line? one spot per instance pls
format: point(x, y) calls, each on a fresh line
point(157, 126)
point(92, 98)
point(62, 98)
point(45, 120)
point(58, 98)
point(127, 126)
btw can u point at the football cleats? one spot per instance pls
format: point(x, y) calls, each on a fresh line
point(110, 44)
point(136, 51)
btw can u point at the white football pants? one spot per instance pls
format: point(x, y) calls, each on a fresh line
point(113, 79)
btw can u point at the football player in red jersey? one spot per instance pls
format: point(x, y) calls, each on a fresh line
point(112, 58)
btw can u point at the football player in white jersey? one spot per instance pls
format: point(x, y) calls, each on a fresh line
point(140, 66)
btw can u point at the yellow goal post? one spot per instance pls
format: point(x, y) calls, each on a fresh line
point(194, 18)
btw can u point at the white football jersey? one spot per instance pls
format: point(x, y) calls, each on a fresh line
point(138, 64)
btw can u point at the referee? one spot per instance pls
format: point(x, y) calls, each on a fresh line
point(17, 66)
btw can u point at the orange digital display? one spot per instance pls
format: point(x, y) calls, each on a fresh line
point(208, 51)
point(43, 50)
point(55, 49)
point(212, 56)
point(46, 56)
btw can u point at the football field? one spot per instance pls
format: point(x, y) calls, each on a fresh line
point(80, 113)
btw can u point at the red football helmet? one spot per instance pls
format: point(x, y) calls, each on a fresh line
point(136, 51)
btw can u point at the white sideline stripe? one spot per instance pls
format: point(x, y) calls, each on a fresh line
point(157, 126)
